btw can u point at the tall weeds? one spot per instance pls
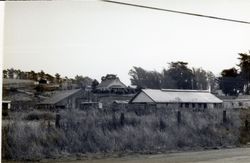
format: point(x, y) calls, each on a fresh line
point(102, 131)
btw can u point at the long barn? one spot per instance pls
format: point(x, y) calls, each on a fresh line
point(177, 97)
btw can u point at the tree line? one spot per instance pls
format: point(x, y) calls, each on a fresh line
point(36, 76)
point(177, 76)
point(235, 81)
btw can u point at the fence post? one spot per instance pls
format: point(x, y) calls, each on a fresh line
point(178, 117)
point(246, 124)
point(58, 117)
point(224, 116)
point(114, 121)
point(122, 119)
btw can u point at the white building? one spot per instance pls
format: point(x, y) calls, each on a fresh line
point(177, 98)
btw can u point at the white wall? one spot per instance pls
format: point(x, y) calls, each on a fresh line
point(142, 97)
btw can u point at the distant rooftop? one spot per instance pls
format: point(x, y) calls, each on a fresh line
point(184, 90)
point(59, 96)
point(18, 96)
point(17, 81)
point(111, 83)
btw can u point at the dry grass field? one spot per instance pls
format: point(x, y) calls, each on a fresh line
point(34, 136)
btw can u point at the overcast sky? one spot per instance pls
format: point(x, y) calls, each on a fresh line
point(93, 38)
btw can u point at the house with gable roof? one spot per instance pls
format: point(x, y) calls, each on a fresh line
point(111, 83)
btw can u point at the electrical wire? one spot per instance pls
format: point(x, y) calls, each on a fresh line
point(178, 12)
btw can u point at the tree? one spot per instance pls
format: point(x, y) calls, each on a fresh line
point(204, 79)
point(212, 81)
point(200, 79)
point(231, 82)
point(245, 70)
point(145, 79)
point(58, 78)
point(33, 75)
point(41, 74)
point(177, 76)
point(18, 74)
point(87, 81)
point(138, 76)
point(79, 80)
point(22, 75)
point(109, 77)
point(181, 74)
point(94, 85)
point(83, 81)
point(11, 73)
point(167, 81)
point(5, 74)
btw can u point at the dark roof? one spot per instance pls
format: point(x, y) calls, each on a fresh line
point(59, 96)
point(111, 83)
point(17, 81)
point(18, 96)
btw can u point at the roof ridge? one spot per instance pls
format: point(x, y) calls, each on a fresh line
point(178, 90)
point(184, 90)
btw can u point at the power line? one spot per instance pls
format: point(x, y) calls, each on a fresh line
point(178, 12)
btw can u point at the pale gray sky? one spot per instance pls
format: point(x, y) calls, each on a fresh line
point(93, 38)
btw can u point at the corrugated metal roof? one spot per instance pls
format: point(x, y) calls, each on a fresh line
point(59, 96)
point(180, 96)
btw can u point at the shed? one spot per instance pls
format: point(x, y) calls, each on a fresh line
point(177, 97)
point(62, 99)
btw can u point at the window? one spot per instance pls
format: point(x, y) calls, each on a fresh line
point(193, 105)
point(186, 105)
point(205, 105)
